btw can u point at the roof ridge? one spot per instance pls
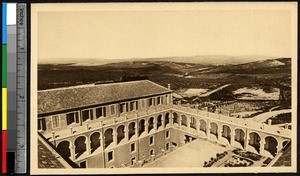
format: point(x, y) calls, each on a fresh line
point(90, 85)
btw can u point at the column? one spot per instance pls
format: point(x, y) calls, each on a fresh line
point(163, 121)
point(262, 146)
point(115, 134)
point(126, 133)
point(246, 141)
point(232, 136)
point(207, 129)
point(180, 121)
point(136, 130)
point(88, 145)
point(188, 123)
point(155, 124)
point(72, 151)
point(171, 119)
point(279, 145)
point(101, 142)
point(197, 127)
point(219, 132)
point(146, 126)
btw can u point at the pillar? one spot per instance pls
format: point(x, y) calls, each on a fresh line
point(207, 129)
point(232, 136)
point(262, 146)
point(188, 123)
point(146, 126)
point(197, 127)
point(88, 146)
point(115, 134)
point(154, 124)
point(126, 133)
point(136, 130)
point(72, 151)
point(180, 121)
point(246, 141)
point(163, 121)
point(219, 132)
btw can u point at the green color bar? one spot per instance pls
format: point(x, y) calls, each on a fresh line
point(4, 66)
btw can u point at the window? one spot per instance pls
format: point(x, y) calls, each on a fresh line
point(167, 146)
point(167, 134)
point(150, 101)
point(143, 103)
point(133, 161)
point(132, 147)
point(100, 112)
point(132, 106)
point(151, 140)
point(87, 114)
point(72, 117)
point(82, 164)
point(110, 156)
point(42, 124)
point(158, 100)
point(122, 107)
point(55, 121)
point(136, 105)
point(112, 110)
point(152, 152)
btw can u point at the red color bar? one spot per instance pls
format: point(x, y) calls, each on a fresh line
point(4, 148)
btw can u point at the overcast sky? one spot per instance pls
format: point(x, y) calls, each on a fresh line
point(143, 34)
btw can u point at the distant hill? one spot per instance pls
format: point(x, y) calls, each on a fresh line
point(201, 59)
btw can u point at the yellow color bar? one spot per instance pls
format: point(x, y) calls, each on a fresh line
point(4, 108)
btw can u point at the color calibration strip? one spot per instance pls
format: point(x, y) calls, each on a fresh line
point(4, 89)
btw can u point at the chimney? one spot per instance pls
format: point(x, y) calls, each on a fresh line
point(169, 86)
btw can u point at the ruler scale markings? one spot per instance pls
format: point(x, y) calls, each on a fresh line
point(21, 89)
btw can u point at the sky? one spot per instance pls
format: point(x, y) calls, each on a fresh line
point(146, 34)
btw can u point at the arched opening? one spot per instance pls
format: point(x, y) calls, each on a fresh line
point(159, 121)
point(167, 119)
point(226, 132)
point(239, 138)
point(193, 123)
point(120, 133)
point(131, 130)
point(271, 145)
point(80, 146)
point(203, 125)
point(108, 135)
point(184, 120)
point(284, 143)
point(175, 119)
point(150, 124)
point(141, 126)
point(214, 130)
point(254, 141)
point(95, 141)
point(63, 149)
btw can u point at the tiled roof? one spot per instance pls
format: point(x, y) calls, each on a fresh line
point(82, 96)
point(46, 158)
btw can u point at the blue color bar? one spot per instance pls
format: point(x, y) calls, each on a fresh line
point(4, 32)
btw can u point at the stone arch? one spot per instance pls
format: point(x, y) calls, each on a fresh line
point(120, 133)
point(150, 124)
point(95, 141)
point(226, 132)
point(108, 137)
point(63, 148)
point(167, 119)
point(203, 125)
point(193, 122)
point(80, 146)
point(239, 137)
point(175, 119)
point(159, 121)
point(254, 141)
point(271, 145)
point(131, 130)
point(214, 129)
point(184, 120)
point(141, 126)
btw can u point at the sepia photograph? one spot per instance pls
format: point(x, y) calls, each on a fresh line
point(163, 87)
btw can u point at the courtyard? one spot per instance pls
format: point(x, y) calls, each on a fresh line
point(193, 154)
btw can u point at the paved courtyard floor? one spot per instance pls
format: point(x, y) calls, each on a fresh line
point(193, 154)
